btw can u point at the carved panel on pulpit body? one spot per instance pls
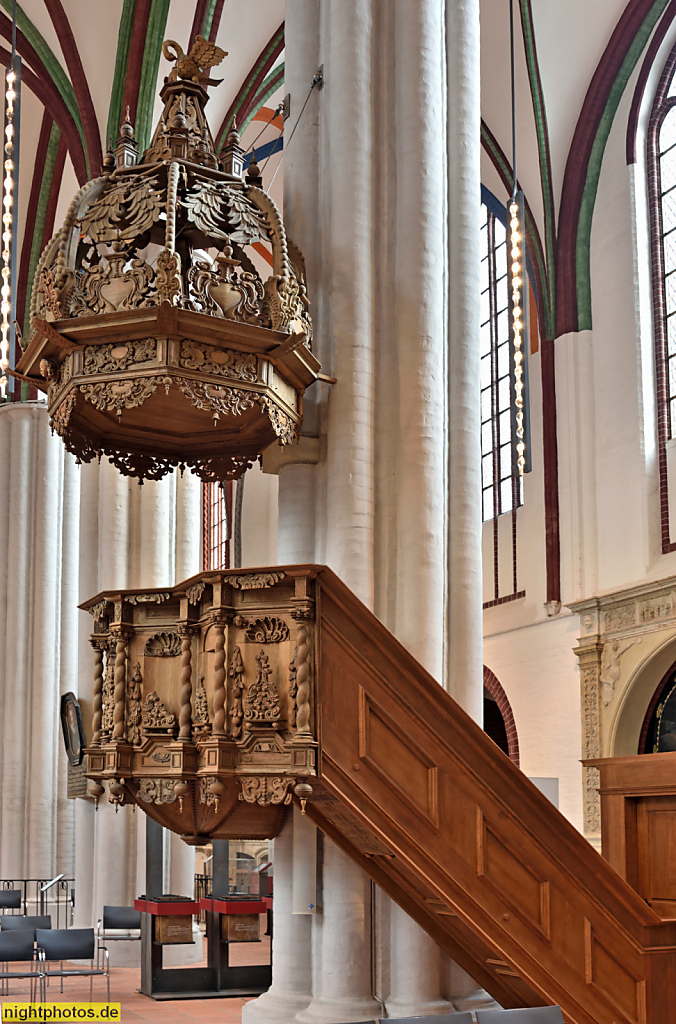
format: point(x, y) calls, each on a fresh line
point(213, 681)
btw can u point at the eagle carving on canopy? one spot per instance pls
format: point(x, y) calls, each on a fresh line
point(194, 66)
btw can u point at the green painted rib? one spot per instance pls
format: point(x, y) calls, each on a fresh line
point(243, 92)
point(115, 112)
point(208, 18)
point(54, 68)
point(542, 132)
point(157, 23)
point(268, 87)
point(40, 214)
point(583, 240)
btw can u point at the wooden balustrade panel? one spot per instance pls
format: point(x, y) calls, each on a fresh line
point(416, 792)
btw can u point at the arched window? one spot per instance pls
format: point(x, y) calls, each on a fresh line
point(662, 201)
point(501, 487)
point(216, 525)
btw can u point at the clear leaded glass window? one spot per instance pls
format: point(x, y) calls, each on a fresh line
point(667, 186)
point(500, 483)
point(217, 520)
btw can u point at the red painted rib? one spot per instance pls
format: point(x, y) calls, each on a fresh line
point(646, 67)
point(29, 229)
point(50, 97)
point(83, 96)
point(579, 154)
point(135, 58)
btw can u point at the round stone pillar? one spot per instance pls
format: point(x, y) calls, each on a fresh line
point(291, 988)
point(346, 961)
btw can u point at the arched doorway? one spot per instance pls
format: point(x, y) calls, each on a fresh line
point(499, 721)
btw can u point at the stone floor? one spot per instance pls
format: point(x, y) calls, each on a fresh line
point(124, 983)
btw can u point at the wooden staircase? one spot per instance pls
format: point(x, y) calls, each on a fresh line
point(414, 791)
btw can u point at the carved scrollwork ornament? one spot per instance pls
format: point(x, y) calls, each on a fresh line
point(157, 791)
point(265, 789)
point(155, 717)
point(118, 395)
point(255, 580)
point(194, 593)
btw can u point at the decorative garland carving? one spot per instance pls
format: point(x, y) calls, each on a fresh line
point(241, 365)
point(168, 276)
point(161, 756)
point(50, 294)
point(591, 748)
point(107, 693)
point(255, 580)
point(268, 630)
point(134, 706)
point(157, 791)
point(293, 691)
point(283, 425)
point(216, 398)
point(98, 610)
point(155, 717)
point(236, 674)
point(200, 719)
point(266, 790)
point(119, 356)
point(163, 645)
point(61, 416)
point(261, 701)
point(116, 395)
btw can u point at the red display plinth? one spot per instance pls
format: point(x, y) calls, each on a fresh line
point(167, 909)
point(233, 906)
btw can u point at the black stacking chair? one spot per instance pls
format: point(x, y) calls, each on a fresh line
point(10, 899)
point(17, 947)
point(529, 1015)
point(23, 922)
point(442, 1018)
point(70, 944)
point(119, 919)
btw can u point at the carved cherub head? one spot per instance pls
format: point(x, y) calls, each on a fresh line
point(48, 369)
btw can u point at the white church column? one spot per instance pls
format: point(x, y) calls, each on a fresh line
point(291, 987)
point(85, 814)
point(114, 866)
point(17, 500)
point(419, 339)
point(346, 983)
point(347, 180)
point(465, 653)
point(342, 983)
point(465, 614)
point(42, 753)
point(68, 652)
